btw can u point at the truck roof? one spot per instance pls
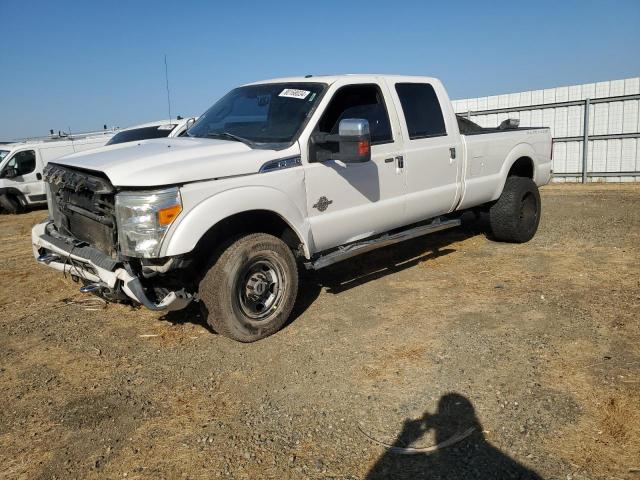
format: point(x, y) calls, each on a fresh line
point(329, 79)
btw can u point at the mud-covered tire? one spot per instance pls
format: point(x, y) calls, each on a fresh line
point(10, 204)
point(516, 214)
point(250, 289)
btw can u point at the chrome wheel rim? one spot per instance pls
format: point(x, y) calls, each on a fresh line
point(260, 288)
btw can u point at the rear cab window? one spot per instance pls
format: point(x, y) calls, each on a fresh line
point(422, 111)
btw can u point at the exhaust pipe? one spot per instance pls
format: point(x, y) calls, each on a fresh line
point(47, 258)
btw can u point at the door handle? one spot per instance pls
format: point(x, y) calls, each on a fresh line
point(38, 176)
point(400, 160)
point(452, 154)
point(388, 160)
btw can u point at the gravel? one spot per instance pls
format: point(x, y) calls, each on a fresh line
point(534, 345)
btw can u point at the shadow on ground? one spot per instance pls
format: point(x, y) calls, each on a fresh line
point(472, 457)
point(395, 258)
point(191, 314)
point(359, 270)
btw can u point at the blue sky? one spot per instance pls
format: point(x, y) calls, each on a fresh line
point(86, 63)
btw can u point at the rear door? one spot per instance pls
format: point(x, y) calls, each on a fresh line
point(432, 148)
point(351, 201)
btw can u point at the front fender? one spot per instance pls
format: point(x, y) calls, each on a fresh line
point(199, 219)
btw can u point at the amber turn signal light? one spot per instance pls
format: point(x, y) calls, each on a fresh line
point(363, 147)
point(169, 214)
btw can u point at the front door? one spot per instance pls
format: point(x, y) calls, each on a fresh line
point(351, 201)
point(28, 177)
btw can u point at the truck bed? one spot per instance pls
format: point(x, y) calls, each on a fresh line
point(486, 150)
point(468, 127)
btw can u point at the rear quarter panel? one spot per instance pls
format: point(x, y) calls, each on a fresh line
point(490, 156)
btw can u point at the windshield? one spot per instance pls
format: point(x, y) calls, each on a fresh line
point(3, 153)
point(270, 113)
point(144, 133)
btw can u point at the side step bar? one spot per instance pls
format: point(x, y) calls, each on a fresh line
point(353, 249)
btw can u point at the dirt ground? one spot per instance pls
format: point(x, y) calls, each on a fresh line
point(534, 347)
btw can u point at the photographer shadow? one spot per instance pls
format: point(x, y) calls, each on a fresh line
point(472, 456)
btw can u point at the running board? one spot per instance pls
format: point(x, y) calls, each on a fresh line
point(353, 249)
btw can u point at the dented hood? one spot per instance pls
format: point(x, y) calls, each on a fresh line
point(169, 161)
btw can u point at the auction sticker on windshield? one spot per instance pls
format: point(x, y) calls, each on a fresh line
point(294, 93)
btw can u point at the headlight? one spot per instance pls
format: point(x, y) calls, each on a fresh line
point(143, 219)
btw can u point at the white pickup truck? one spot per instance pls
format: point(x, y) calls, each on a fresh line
point(280, 175)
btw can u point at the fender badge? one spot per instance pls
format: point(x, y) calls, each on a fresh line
point(322, 204)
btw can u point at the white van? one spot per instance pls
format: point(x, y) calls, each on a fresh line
point(21, 165)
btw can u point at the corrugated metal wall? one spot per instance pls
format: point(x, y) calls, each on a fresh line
point(614, 121)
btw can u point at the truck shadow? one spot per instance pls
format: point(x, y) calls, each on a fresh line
point(377, 264)
point(191, 314)
point(460, 450)
point(392, 259)
point(357, 271)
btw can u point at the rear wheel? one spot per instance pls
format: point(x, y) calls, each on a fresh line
point(10, 204)
point(516, 214)
point(250, 290)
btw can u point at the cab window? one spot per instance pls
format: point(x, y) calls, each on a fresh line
point(358, 101)
point(353, 101)
point(23, 162)
point(421, 109)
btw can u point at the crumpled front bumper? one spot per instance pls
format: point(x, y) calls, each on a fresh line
point(97, 268)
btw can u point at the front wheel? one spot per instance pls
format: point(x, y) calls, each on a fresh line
point(250, 290)
point(516, 214)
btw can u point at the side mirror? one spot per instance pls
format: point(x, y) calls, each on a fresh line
point(354, 141)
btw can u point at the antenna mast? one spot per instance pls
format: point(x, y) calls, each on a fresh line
point(166, 77)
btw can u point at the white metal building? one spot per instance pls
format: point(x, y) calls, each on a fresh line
point(613, 126)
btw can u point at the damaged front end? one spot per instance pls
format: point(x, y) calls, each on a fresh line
point(105, 239)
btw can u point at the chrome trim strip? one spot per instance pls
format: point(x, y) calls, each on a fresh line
point(280, 164)
point(356, 248)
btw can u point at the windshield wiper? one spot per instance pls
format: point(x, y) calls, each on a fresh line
point(229, 136)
